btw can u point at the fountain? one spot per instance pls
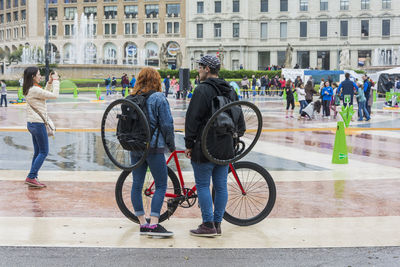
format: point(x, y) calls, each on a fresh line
point(386, 57)
point(79, 58)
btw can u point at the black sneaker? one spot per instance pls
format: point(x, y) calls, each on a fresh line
point(218, 228)
point(144, 229)
point(158, 230)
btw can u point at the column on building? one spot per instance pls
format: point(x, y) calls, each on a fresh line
point(334, 59)
point(354, 58)
point(313, 59)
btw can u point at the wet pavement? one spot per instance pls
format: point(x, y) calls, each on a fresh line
point(318, 204)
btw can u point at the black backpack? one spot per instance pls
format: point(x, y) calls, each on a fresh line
point(131, 132)
point(224, 133)
point(398, 85)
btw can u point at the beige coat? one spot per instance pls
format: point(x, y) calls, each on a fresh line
point(37, 97)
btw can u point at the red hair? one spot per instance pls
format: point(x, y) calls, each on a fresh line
point(147, 80)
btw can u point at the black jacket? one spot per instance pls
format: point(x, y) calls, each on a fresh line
point(199, 112)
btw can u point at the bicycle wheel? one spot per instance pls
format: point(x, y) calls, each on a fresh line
point(123, 191)
point(119, 118)
point(256, 203)
point(218, 148)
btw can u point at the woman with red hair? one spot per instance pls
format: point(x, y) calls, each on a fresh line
point(162, 126)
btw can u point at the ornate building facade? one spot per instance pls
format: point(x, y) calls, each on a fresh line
point(122, 32)
point(255, 33)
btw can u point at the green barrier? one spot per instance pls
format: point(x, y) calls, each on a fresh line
point(374, 94)
point(347, 113)
point(98, 92)
point(340, 154)
point(20, 94)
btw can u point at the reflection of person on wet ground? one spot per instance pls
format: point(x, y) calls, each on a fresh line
point(311, 110)
point(36, 100)
point(162, 125)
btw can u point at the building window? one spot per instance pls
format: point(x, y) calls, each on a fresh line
point(23, 3)
point(131, 11)
point(323, 6)
point(323, 29)
point(173, 10)
point(53, 12)
point(8, 17)
point(217, 8)
point(53, 1)
point(155, 27)
point(90, 10)
point(284, 5)
point(89, 1)
point(110, 28)
point(176, 27)
point(130, 28)
point(1, 18)
point(236, 29)
point(264, 5)
point(110, 12)
point(200, 7)
point(283, 30)
point(364, 4)
point(344, 28)
point(1, 4)
point(15, 15)
point(15, 3)
point(53, 30)
point(303, 29)
point(23, 14)
point(70, 1)
point(169, 27)
point(303, 5)
point(148, 28)
point(151, 10)
point(8, 3)
point(344, 4)
point(217, 30)
point(15, 33)
point(386, 27)
point(264, 30)
point(69, 12)
point(68, 30)
point(364, 28)
point(236, 6)
point(386, 4)
point(199, 32)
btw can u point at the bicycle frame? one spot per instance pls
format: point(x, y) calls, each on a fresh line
point(174, 156)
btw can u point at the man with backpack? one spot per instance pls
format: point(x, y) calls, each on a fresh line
point(347, 87)
point(198, 114)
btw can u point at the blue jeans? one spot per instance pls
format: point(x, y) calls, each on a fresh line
point(254, 90)
point(158, 168)
point(362, 109)
point(202, 174)
point(303, 104)
point(40, 146)
point(3, 97)
point(108, 90)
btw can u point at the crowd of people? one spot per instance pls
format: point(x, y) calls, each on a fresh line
point(111, 84)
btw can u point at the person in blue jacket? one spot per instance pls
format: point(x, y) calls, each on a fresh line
point(326, 93)
point(133, 81)
point(347, 87)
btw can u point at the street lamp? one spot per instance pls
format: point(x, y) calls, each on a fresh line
point(46, 46)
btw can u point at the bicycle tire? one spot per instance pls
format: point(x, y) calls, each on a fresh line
point(245, 150)
point(263, 212)
point(128, 212)
point(112, 146)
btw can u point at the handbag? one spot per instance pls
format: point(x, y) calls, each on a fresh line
point(50, 127)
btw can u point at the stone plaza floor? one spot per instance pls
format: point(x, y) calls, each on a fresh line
point(318, 205)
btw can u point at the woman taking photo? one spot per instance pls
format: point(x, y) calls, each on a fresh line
point(36, 103)
point(161, 122)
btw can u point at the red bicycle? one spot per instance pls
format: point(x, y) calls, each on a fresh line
point(251, 193)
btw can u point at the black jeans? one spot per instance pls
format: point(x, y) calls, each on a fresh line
point(326, 107)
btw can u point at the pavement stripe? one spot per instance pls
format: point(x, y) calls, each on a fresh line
point(249, 130)
point(270, 233)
